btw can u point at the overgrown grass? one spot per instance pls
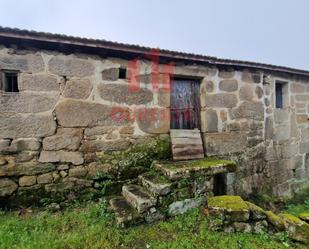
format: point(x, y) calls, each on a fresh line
point(92, 227)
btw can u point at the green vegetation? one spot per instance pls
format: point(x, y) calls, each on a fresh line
point(91, 226)
point(228, 202)
point(201, 163)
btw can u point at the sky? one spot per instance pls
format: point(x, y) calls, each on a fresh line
point(267, 31)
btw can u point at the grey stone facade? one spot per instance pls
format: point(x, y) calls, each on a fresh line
point(64, 116)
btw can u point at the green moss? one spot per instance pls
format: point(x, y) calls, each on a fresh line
point(202, 163)
point(291, 218)
point(156, 177)
point(254, 207)
point(304, 216)
point(233, 203)
point(275, 220)
point(138, 155)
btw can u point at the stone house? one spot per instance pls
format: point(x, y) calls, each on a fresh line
point(58, 94)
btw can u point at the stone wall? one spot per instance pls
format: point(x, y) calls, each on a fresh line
point(71, 108)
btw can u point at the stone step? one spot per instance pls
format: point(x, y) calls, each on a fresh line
point(186, 169)
point(138, 197)
point(125, 214)
point(155, 183)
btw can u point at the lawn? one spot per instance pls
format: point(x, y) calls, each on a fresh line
point(91, 226)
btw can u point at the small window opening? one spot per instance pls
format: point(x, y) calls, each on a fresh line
point(10, 82)
point(122, 73)
point(220, 187)
point(281, 94)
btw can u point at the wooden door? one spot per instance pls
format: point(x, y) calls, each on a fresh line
point(185, 104)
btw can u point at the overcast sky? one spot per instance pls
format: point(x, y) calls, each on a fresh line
point(269, 31)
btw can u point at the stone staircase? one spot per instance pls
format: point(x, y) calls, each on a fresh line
point(168, 189)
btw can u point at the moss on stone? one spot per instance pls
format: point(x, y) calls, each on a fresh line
point(291, 218)
point(156, 177)
point(202, 163)
point(275, 220)
point(304, 216)
point(234, 203)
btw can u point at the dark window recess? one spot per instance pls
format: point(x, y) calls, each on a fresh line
point(220, 187)
point(10, 83)
point(279, 95)
point(122, 73)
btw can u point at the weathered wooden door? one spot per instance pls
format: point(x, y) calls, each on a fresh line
point(185, 104)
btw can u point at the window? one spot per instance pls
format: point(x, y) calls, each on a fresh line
point(122, 73)
point(281, 94)
point(9, 81)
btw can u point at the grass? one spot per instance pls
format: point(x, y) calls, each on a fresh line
point(91, 226)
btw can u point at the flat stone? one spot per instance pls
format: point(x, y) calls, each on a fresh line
point(251, 77)
point(79, 183)
point(209, 121)
point(32, 125)
point(110, 74)
point(259, 92)
point(242, 227)
point(45, 178)
point(260, 227)
point(153, 120)
point(78, 89)
point(226, 74)
point(302, 97)
point(5, 145)
point(32, 63)
point(65, 138)
point(28, 168)
point(224, 143)
point(102, 145)
point(297, 88)
point(228, 85)
point(276, 221)
point(185, 169)
point(96, 168)
point(27, 181)
point(76, 113)
point(28, 144)
point(38, 82)
point(256, 213)
point(59, 187)
point(181, 207)
point(281, 116)
point(269, 128)
point(224, 100)
point(123, 94)
point(250, 110)
point(124, 212)
point(72, 67)
point(155, 185)
point(78, 171)
point(235, 208)
point(99, 130)
point(61, 156)
point(138, 198)
point(206, 87)
point(25, 102)
point(7, 187)
point(246, 92)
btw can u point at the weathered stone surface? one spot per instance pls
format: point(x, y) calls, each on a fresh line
point(223, 115)
point(207, 87)
point(259, 92)
point(302, 118)
point(164, 98)
point(32, 125)
point(72, 67)
point(251, 77)
point(227, 100)
point(45, 178)
point(242, 227)
point(38, 82)
point(259, 227)
point(302, 97)
point(96, 168)
point(226, 74)
point(281, 116)
point(224, 143)
point(27, 181)
point(123, 94)
point(256, 213)
point(181, 207)
point(297, 88)
point(22, 144)
point(228, 85)
point(7, 187)
point(26, 156)
point(209, 121)
point(110, 74)
point(102, 145)
point(138, 198)
point(250, 110)
point(29, 168)
point(31, 63)
point(61, 156)
point(28, 102)
point(65, 138)
point(99, 130)
point(5, 145)
point(59, 187)
point(194, 70)
point(153, 120)
point(246, 92)
point(78, 171)
point(269, 128)
point(76, 113)
point(155, 186)
point(78, 89)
